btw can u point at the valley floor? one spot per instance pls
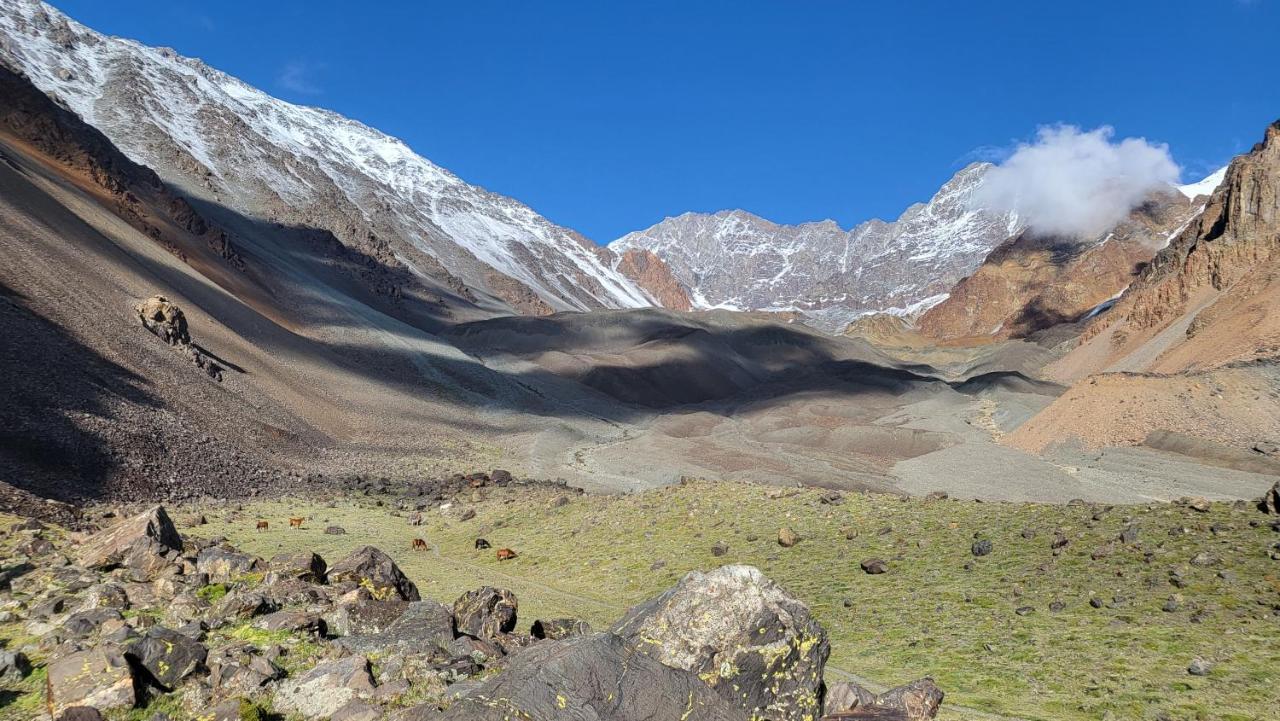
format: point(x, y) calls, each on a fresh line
point(1015, 633)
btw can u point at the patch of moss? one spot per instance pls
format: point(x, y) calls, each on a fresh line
point(213, 592)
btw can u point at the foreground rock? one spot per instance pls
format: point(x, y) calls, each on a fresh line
point(374, 570)
point(1270, 502)
point(99, 677)
point(588, 678)
point(743, 635)
point(167, 656)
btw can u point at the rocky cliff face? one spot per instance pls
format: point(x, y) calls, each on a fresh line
point(733, 259)
point(648, 271)
point(222, 142)
point(1032, 282)
point(1213, 295)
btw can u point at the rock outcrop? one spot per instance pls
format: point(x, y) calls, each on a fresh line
point(166, 320)
point(743, 635)
point(592, 677)
point(148, 535)
point(371, 569)
point(916, 701)
point(649, 272)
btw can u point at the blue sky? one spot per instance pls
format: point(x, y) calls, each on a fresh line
point(608, 116)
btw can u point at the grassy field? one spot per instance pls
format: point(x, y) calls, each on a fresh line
point(938, 611)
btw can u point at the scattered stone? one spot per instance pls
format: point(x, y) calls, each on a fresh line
point(335, 531)
point(560, 502)
point(874, 566)
point(1172, 604)
point(720, 548)
point(1199, 667)
point(1057, 606)
point(787, 537)
point(1198, 504)
point(374, 570)
point(1270, 501)
point(304, 565)
point(322, 691)
point(167, 656)
point(1096, 602)
point(1129, 535)
point(486, 612)
point(99, 677)
point(467, 515)
point(916, 701)
point(1029, 533)
point(1024, 610)
point(223, 565)
point(742, 634)
point(981, 548)
point(14, 666)
point(831, 498)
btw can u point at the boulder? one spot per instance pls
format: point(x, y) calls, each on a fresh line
point(149, 534)
point(87, 623)
point(374, 570)
point(916, 701)
point(874, 566)
point(14, 666)
point(168, 656)
point(742, 634)
point(223, 564)
point(164, 319)
point(1270, 501)
point(304, 565)
point(424, 625)
point(485, 612)
point(787, 537)
point(363, 615)
point(981, 548)
point(81, 713)
point(322, 691)
point(554, 629)
point(293, 621)
point(99, 677)
point(589, 678)
point(240, 670)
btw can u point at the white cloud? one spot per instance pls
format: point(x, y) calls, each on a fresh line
point(299, 77)
point(1075, 183)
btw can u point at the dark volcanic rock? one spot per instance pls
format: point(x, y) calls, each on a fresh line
point(223, 564)
point(591, 677)
point(981, 548)
point(99, 677)
point(486, 612)
point(168, 656)
point(372, 569)
point(916, 701)
point(741, 633)
point(874, 566)
point(1270, 501)
point(305, 565)
point(422, 626)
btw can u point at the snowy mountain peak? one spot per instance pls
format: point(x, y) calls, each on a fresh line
point(1205, 186)
point(221, 140)
point(735, 259)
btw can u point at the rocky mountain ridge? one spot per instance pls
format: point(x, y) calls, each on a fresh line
point(736, 260)
point(228, 145)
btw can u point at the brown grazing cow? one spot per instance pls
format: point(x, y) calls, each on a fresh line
point(506, 554)
point(419, 544)
point(295, 522)
point(262, 525)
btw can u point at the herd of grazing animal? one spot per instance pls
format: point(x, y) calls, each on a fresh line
point(418, 544)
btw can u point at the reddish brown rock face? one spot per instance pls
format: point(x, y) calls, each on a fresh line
point(1032, 282)
point(648, 271)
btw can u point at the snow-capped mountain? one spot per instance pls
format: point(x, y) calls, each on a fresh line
point(222, 141)
point(733, 259)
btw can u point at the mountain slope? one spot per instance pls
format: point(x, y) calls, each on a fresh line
point(223, 142)
point(1189, 357)
point(736, 260)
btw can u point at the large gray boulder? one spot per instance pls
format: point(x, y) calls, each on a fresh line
point(743, 635)
point(320, 692)
point(99, 677)
point(591, 678)
point(374, 570)
point(147, 538)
